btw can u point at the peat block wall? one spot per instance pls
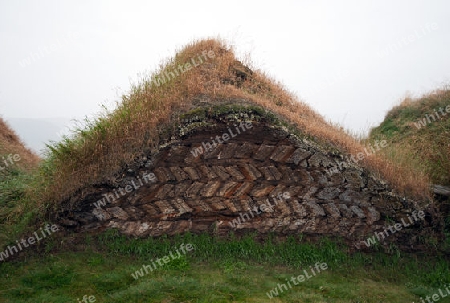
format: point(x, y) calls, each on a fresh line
point(264, 179)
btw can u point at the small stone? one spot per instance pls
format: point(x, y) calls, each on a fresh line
point(282, 153)
point(262, 190)
point(346, 212)
point(316, 209)
point(118, 213)
point(328, 193)
point(298, 156)
point(332, 210)
point(210, 188)
point(358, 211)
point(263, 152)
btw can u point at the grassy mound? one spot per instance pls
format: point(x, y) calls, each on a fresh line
point(418, 133)
point(218, 270)
point(209, 70)
point(204, 71)
point(17, 164)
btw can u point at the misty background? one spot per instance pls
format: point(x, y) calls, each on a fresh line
point(350, 60)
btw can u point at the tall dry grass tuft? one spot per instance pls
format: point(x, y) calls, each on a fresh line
point(115, 139)
point(10, 143)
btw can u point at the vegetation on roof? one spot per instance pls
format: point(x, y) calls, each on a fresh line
point(116, 138)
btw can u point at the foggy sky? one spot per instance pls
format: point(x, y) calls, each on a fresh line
point(350, 60)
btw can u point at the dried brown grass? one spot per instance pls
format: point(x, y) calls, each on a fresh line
point(10, 143)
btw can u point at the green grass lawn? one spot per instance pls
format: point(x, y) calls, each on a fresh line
point(218, 271)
